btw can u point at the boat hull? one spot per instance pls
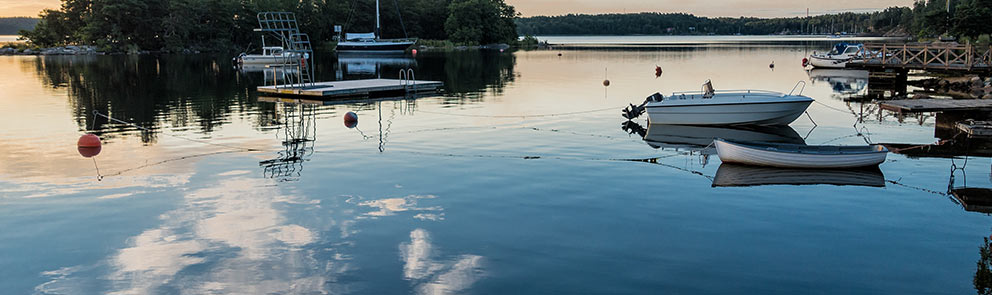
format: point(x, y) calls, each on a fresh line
point(373, 46)
point(768, 113)
point(699, 138)
point(828, 62)
point(266, 60)
point(744, 154)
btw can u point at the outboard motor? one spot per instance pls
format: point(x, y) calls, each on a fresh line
point(634, 111)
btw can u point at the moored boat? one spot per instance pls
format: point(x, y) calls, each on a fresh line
point(270, 56)
point(841, 54)
point(371, 42)
point(799, 156)
point(726, 107)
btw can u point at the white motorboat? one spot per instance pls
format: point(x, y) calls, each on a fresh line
point(799, 156)
point(729, 107)
point(371, 42)
point(270, 56)
point(836, 58)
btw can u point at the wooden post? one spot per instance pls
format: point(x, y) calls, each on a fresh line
point(904, 61)
point(885, 60)
point(947, 57)
point(926, 50)
point(969, 52)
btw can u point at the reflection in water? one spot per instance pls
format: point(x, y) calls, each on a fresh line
point(699, 138)
point(730, 175)
point(973, 199)
point(362, 66)
point(299, 132)
point(983, 273)
point(433, 277)
point(848, 82)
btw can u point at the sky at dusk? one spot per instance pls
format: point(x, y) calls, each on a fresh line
point(760, 8)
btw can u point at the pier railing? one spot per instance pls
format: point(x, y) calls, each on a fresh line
point(925, 56)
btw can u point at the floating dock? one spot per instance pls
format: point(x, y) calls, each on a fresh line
point(352, 88)
point(936, 105)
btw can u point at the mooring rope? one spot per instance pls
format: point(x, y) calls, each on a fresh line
point(177, 136)
point(521, 116)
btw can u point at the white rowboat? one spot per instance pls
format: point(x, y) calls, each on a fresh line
point(799, 156)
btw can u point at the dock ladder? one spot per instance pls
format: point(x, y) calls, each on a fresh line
point(286, 29)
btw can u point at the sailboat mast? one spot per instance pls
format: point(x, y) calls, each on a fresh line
point(377, 28)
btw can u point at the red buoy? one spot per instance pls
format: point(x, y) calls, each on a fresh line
point(805, 62)
point(89, 152)
point(89, 141)
point(606, 83)
point(89, 145)
point(351, 120)
point(414, 52)
point(657, 71)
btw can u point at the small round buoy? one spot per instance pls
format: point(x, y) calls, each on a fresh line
point(771, 65)
point(351, 120)
point(89, 141)
point(559, 54)
point(414, 52)
point(657, 71)
point(89, 152)
point(805, 62)
point(606, 82)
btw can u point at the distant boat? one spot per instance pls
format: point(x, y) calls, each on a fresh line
point(732, 175)
point(270, 56)
point(799, 156)
point(371, 42)
point(730, 107)
point(841, 54)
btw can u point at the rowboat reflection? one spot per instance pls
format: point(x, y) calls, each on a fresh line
point(733, 175)
point(699, 138)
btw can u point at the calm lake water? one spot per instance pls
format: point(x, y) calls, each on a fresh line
point(519, 178)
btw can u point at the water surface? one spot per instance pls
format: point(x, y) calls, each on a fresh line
point(519, 178)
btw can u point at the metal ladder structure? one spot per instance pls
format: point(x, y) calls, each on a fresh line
point(286, 29)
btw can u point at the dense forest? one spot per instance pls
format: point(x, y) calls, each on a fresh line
point(926, 19)
point(12, 25)
point(221, 25)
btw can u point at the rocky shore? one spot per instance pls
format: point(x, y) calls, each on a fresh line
point(64, 50)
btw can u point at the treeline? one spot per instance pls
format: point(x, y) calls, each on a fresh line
point(12, 25)
point(223, 25)
point(926, 19)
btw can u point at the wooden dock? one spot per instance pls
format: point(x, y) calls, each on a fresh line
point(936, 105)
point(928, 56)
point(352, 88)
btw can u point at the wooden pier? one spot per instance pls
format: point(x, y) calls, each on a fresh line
point(352, 88)
point(936, 105)
point(947, 57)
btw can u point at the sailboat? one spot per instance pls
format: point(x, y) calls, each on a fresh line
point(370, 42)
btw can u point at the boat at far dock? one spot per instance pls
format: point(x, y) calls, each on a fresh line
point(837, 58)
point(371, 42)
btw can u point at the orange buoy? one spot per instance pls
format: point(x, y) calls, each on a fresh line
point(89, 152)
point(414, 52)
point(89, 141)
point(606, 83)
point(351, 120)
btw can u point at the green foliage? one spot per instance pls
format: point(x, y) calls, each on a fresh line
point(481, 22)
point(983, 274)
point(528, 42)
point(223, 25)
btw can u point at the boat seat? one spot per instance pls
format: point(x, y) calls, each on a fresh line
point(708, 91)
point(656, 97)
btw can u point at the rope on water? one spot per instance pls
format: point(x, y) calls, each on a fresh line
point(521, 116)
point(833, 108)
point(177, 136)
